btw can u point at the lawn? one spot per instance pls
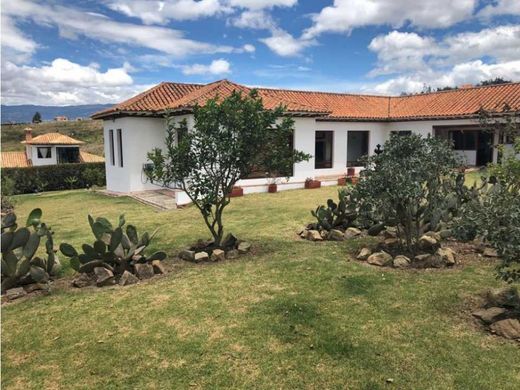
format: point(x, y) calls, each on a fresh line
point(88, 131)
point(293, 314)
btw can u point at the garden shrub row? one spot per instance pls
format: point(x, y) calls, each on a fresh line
point(55, 177)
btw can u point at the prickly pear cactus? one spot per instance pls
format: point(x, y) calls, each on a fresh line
point(19, 245)
point(115, 247)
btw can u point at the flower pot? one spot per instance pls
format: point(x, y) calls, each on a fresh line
point(272, 188)
point(236, 191)
point(310, 184)
point(353, 179)
point(351, 171)
point(342, 181)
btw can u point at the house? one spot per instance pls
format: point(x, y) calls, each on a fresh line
point(61, 118)
point(48, 149)
point(335, 128)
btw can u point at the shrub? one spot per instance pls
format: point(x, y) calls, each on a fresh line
point(19, 245)
point(412, 185)
point(113, 249)
point(8, 190)
point(51, 177)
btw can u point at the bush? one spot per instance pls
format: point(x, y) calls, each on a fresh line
point(8, 190)
point(412, 185)
point(51, 177)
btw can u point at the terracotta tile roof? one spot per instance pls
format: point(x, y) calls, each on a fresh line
point(53, 139)
point(14, 160)
point(456, 103)
point(90, 158)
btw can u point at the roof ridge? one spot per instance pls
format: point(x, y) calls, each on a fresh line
point(320, 92)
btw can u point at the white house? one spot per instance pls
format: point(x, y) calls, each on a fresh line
point(48, 149)
point(335, 128)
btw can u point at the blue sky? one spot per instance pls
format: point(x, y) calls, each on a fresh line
point(79, 52)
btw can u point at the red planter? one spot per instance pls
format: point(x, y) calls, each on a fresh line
point(353, 179)
point(236, 191)
point(342, 181)
point(272, 188)
point(351, 171)
point(309, 184)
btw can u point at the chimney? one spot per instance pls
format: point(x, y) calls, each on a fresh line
point(465, 86)
point(28, 134)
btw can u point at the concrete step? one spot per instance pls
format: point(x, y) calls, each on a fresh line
point(161, 199)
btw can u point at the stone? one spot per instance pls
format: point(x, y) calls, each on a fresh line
point(201, 256)
point(420, 258)
point(128, 278)
point(352, 232)
point(434, 235)
point(82, 280)
point(389, 233)
point(186, 254)
point(490, 252)
point(35, 287)
point(489, 315)
point(428, 242)
point(428, 261)
point(218, 255)
point(324, 234)
point(104, 277)
point(230, 241)
point(15, 293)
point(364, 253)
point(380, 258)
point(447, 255)
point(158, 267)
point(313, 235)
point(335, 235)
point(143, 270)
point(390, 243)
point(509, 328)
point(232, 254)
point(503, 297)
point(401, 261)
point(244, 247)
point(446, 233)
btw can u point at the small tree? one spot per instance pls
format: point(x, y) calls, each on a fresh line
point(37, 118)
point(229, 139)
point(411, 185)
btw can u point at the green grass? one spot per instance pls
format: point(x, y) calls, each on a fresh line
point(88, 131)
point(294, 314)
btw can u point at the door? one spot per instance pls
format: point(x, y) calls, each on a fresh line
point(357, 147)
point(484, 148)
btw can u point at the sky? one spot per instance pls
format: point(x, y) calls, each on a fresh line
point(84, 52)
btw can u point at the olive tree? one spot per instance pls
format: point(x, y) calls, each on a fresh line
point(411, 185)
point(230, 139)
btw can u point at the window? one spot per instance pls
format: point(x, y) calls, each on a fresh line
point(120, 146)
point(181, 133)
point(111, 147)
point(402, 132)
point(357, 147)
point(68, 155)
point(44, 152)
point(323, 149)
point(464, 140)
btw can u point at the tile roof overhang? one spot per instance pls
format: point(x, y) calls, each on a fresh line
point(53, 139)
point(459, 103)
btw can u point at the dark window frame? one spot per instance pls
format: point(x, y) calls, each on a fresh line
point(356, 163)
point(48, 150)
point(120, 146)
point(111, 147)
point(328, 137)
point(464, 140)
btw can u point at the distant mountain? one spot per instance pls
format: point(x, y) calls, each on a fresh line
point(24, 113)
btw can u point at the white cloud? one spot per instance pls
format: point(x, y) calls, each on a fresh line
point(72, 22)
point(262, 4)
point(248, 48)
point(15, 45)
point(501, 7)
point(345, 15)
point(284, 44)
point(64, 82)
point(472, 72)
point(160, 12)
point(217, 67)
point(256, 20)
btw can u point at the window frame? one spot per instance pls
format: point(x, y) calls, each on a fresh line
point(325, 164)
point(48, 154)
point(352, 163)
point(111, 147)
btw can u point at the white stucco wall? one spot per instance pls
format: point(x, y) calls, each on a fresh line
point(32, 154)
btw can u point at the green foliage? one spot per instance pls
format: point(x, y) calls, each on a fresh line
point(51, 177)
point(115, 248)
point(229, 139)
point(19, 245)
point(495, 81)
point(70, 181)
point(412, 185)
point(37, 117)
point(8, 190)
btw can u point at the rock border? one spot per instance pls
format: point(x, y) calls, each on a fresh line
point(203, 251)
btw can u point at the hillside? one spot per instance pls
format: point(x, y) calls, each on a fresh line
point(24, 113)
point(89, 131)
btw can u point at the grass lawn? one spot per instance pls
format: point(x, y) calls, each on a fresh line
point(294, 314)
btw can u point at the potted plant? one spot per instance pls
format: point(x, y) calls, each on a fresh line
point(342, 181)
point(236, 191)
point(310, 183)
point(351, 171)
point(352, 179)
point(272, 188)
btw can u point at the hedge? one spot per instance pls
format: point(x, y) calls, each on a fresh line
point(55, 177)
